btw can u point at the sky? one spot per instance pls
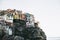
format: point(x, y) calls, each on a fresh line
point(47, 12)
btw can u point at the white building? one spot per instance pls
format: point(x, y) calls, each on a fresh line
point(8, 18)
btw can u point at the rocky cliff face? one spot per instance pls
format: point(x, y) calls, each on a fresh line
point(15, 25)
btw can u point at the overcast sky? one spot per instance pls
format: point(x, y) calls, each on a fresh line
point(47, 12)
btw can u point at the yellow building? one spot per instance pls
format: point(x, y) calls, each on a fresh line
point(15, 15)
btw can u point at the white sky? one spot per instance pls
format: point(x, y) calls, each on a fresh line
point(47, 12)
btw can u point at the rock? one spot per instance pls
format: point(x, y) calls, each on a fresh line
point(23, 27)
